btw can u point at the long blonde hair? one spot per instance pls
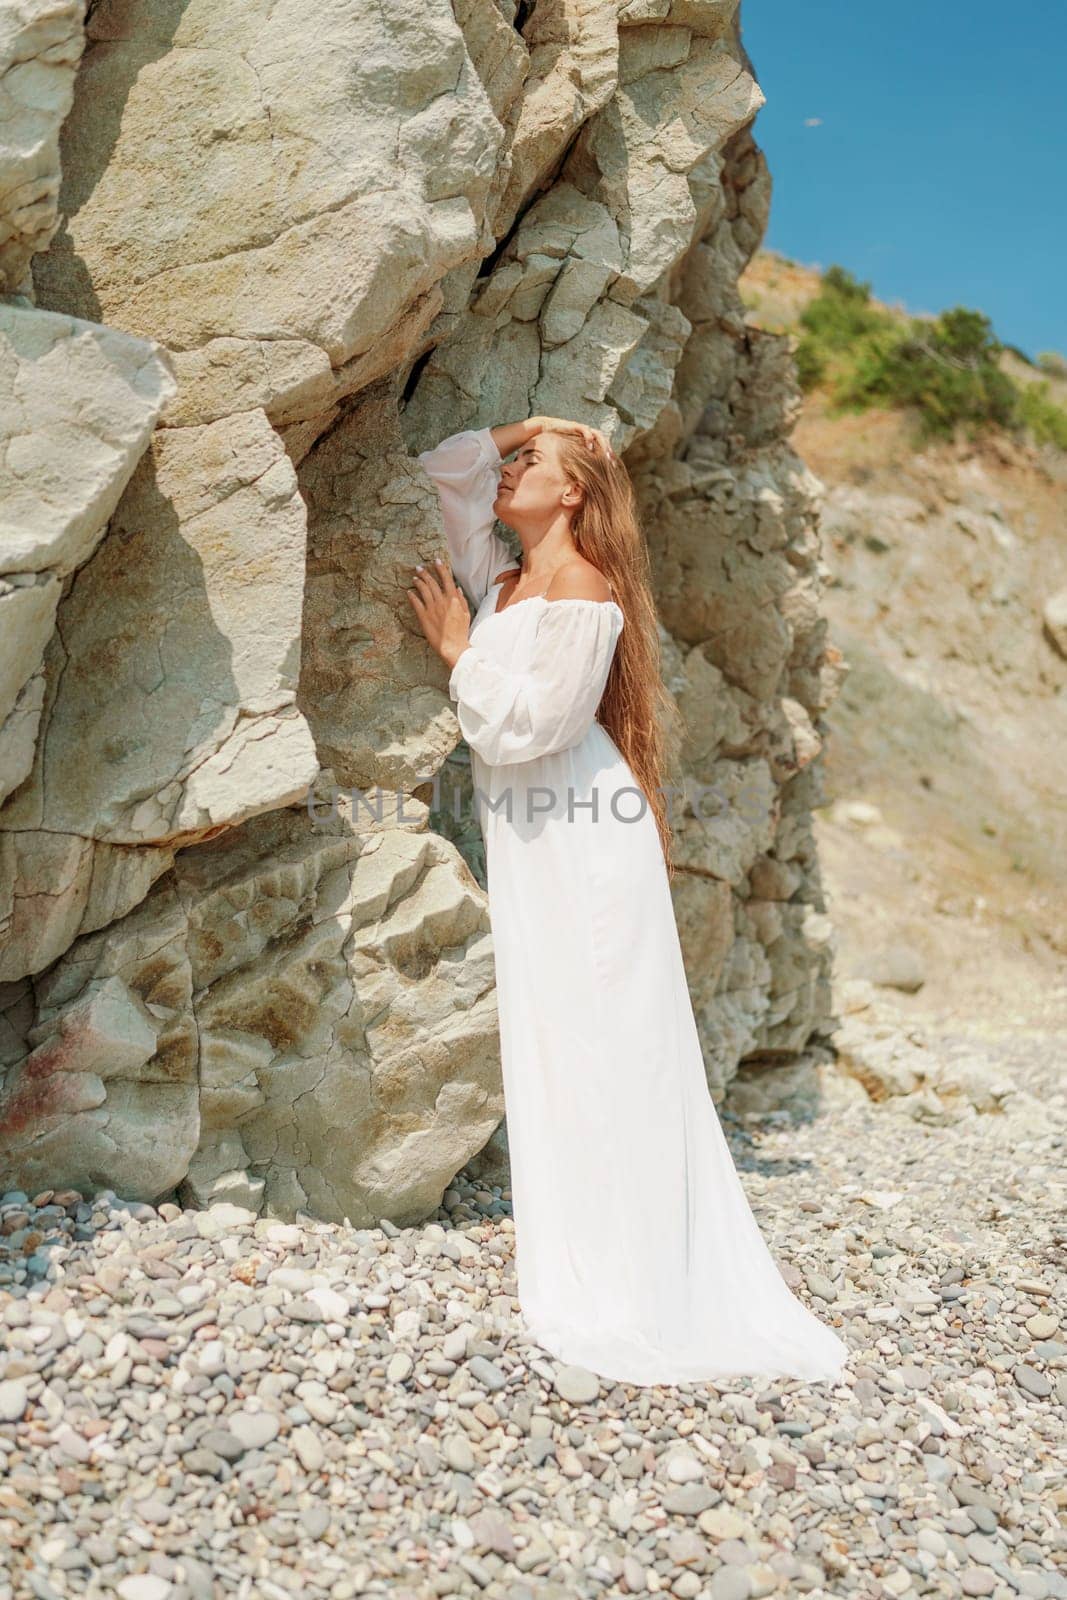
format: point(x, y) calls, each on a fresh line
point(636, 709)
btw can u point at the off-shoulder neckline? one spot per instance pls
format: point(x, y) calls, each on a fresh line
point(564, 600)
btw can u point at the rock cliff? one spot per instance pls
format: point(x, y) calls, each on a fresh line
point(250, 266)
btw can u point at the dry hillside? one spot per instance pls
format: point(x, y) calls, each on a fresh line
point(944, 839)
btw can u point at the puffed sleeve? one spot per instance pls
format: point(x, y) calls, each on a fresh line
point(511, 716)
point(465, 469)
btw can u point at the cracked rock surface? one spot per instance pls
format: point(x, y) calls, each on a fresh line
point(252, 295)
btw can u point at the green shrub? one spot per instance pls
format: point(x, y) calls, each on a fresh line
point(835, 324)
point(1046, 420)
point(810, 365)
point(841, 313)
point(945, 370)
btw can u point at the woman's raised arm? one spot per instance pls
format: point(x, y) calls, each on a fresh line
point(465, 470)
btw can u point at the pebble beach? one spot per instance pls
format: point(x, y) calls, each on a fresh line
point(202, 1403)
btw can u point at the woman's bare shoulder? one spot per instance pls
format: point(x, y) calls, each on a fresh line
point(578, 580)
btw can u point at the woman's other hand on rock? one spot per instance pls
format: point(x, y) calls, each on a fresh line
point(441, 609)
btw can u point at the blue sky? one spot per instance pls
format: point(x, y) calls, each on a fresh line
point(937, 171)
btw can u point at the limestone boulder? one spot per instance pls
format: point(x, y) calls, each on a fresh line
point(102, 1086)
point(299, 1012)
point(78, 404)
point(41, 43)
point(172, 682)
point(311, 182)
point(375, 695)
point(572, 71)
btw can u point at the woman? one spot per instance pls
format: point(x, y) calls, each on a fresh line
point(636, 1253)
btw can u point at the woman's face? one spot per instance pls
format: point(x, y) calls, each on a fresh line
point(533, 486)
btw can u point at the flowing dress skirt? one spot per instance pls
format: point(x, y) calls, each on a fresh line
point(637, 1254)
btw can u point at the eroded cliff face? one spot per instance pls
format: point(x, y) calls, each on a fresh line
point(282, 257)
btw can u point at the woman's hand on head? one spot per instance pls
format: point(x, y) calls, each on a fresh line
point(441, 609)
point(593, 437)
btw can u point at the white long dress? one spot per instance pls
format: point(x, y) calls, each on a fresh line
point(637, 1255)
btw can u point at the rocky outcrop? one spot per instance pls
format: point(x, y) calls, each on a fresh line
point(79, 403)
point(299, 1016)
point(269, 289)
point(40, 48)
point(286, 230)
